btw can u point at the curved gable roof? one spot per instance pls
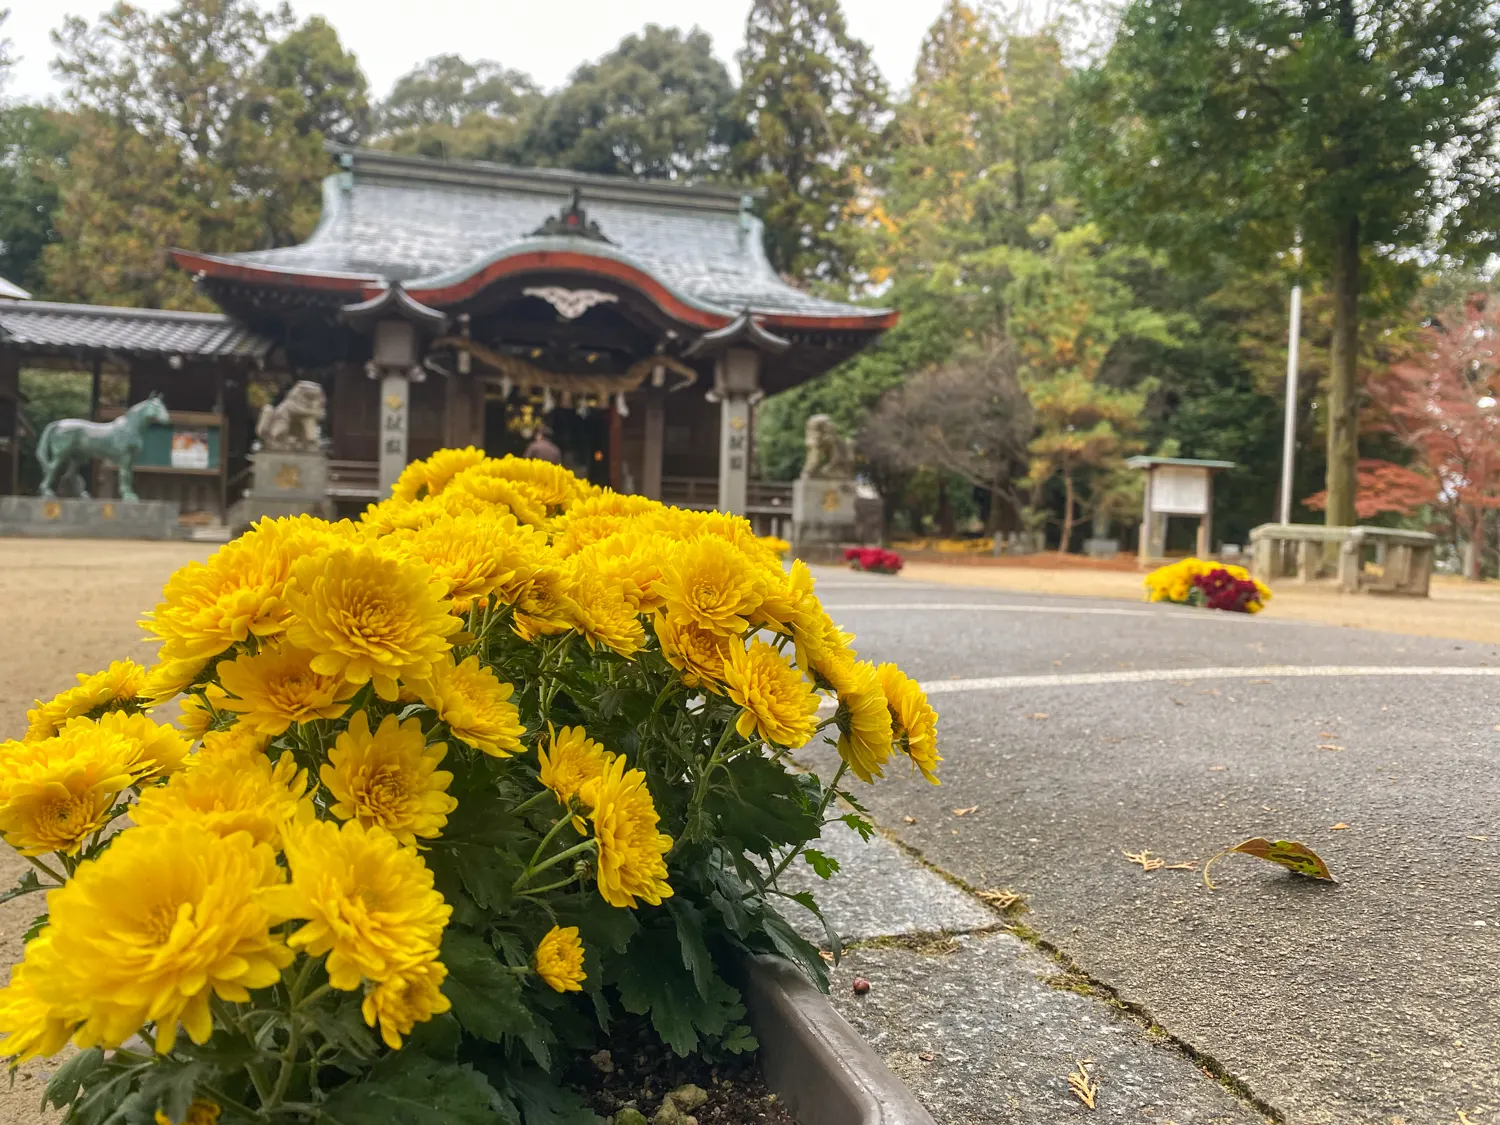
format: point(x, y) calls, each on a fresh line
point(443, 228)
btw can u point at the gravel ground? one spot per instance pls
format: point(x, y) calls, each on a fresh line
point(69, 607)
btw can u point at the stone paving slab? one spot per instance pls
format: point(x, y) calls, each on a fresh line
point(979, 1038)
point(880, 891)
point(947, 983)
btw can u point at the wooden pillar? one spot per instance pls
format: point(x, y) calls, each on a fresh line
point(1143, 551)
point(1206, 524)
point(655, 442)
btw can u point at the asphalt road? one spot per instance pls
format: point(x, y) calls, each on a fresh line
point(1371, 1000)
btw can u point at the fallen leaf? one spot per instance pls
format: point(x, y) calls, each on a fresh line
point(1217, 769)
point(1000, 900)
point(908, 820)
point(967, 811)
point(1179, 702)
point(1481, 839)
point(1328, 746)
point(1039, 715)
point(1327, 734)
point(1339, 827)
point(1463, 1118)
point(926, 1056)
point(1083, 1088)
point(1497, 726)
point(1294, 856)
point(1144, 859)
point(1186, 865)
point(1259, 681)
point(826, 954)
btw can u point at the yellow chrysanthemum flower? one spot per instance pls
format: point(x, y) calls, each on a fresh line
point(56, 793)
point(778, 700)
point(913, 721)
point(697, 653)
point(403, 1000)
point(29, 1025)
point(472, 556)
point(277, 687)
point(367, 901)
point(164, 920)
point(559, 959)
point(572, 760)
point(476, 706)
point(788, 601)
point(429, 477)
point(710, 584)
point(237, 593)
point(118, 686)
point(167, 678)
point(605, 615)
point(243, 793)
point(632, 853)
point(234, 742)
point(864, 719)
point(159, 749)
point(543, 605)
point(483, 482)
point(367, 616)
point(390, 778)
point(597, 518)
point(202, 711)
point(632, 561)
point(199, 1113)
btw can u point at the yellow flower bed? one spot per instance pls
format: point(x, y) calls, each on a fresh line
point(450, 784)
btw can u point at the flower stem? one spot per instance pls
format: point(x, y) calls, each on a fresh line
point(44, 869)
point(828, 795)
point(576, 849)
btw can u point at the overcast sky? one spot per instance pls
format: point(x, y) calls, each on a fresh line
point(546, 38)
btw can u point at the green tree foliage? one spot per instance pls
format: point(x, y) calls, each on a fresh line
point(185, 140)
point(450, 108)
point(659, 106)
point(813, 101)
point(34, 146)
point(1229, 126)
point(317, 84)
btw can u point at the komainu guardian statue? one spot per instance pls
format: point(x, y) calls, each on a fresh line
point(67, 446)
point(294, 424)
point(829, 456)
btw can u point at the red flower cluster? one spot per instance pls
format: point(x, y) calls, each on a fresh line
point(877, 559)
point(1219, 589)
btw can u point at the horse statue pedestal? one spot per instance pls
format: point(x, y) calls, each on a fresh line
point(51, 517)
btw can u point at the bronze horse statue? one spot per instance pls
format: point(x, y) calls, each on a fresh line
point(68, 444)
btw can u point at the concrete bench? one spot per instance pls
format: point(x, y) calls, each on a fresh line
point(1312, 551)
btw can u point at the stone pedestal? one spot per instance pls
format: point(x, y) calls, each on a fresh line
point(283, 484)
point(42, 517)
point(824, 518)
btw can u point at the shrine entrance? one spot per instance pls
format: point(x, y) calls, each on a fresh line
point(582, 435)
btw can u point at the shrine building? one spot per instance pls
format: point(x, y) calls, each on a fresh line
point(447, 304)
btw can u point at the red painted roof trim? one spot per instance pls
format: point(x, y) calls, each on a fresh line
point(439, 295)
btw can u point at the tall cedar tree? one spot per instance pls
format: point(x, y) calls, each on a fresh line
point(1366, 125)
point(659, 106)
point(194, 130)
point(450, 108)
point(813, 102)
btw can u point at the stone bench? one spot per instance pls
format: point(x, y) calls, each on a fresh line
point(1312, 551)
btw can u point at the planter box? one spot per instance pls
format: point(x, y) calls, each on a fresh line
point(817, 1064)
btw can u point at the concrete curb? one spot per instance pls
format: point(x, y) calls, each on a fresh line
point(814, 1061)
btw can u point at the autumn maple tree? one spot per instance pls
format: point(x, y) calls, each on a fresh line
point(1440, 401)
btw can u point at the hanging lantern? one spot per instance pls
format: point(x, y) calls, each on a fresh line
point(549, 404)
point(506, 386)
point(620, 408)
point(583, 407)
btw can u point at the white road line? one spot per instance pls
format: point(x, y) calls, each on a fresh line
point(991, 607)
point(1169, 675)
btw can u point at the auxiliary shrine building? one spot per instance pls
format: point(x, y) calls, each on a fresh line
point(448, 304)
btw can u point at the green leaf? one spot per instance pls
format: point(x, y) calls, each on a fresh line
point(695, 955)
point(407, 1088)
point(763, 806)
point(439, 1038)
point(824, 865)
point(544, 1102)
point(600, 925)
point(70, 1077)
point(739, 1040)
point(28, 884)
point(860, 825)
point(342, 1025)
point(652, 981)
point(486, 995)
point(793, 946)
